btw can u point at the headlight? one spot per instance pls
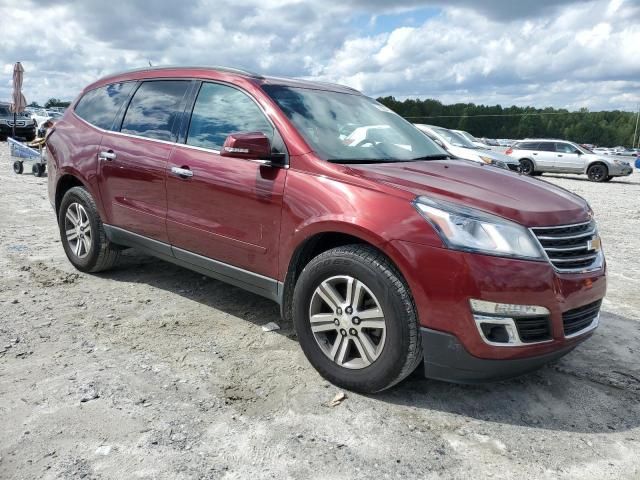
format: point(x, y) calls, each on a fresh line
point(492, 161)
point(3, 122)
point(467, 229)
point(621, 163)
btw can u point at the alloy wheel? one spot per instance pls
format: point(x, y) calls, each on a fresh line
point(78, 230)
point(347, 322)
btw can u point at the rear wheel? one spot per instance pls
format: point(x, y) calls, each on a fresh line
point(18, 167)
point(38, 169)
point(598, 172)
point(355, 319)
point(82, 233)
point(526, 167)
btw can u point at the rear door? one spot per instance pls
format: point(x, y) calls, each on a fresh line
point(226, 209)
point(545, 156)
point(567, 158)
point(133, 160)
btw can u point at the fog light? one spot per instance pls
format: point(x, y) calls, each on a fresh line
point(506, 309)
point(497, 323)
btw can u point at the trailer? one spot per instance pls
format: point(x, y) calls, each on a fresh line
point(23, 153)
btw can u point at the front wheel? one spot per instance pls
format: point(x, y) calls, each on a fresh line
point(598, 173)
point(82, 233)
point(526, 167)
point(18, 167)
point(355, 319)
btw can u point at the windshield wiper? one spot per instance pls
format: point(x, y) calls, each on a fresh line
point(362, 160)
point(438, 156)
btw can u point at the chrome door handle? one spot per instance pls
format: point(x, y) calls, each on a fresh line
point(559, 155)
point(107, 155)
point(182, 172)
point(534, 153)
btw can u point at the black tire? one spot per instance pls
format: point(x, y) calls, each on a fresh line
point(527, 167)
point(102, 254)
point(18, 167)
point(598, 172)
point(38, 169)
point(402, 350)
point(608, 179)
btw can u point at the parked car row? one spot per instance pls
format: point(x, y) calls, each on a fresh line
point(621, 151)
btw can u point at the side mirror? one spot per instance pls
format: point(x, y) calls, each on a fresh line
point(578, 152)
point(249, 146)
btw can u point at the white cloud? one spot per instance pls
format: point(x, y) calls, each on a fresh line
point(549, 52)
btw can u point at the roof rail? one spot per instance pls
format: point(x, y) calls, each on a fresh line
point(218, 68)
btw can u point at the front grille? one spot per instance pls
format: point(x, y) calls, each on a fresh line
point(580, 318)
point(569, 246)
point(533, 329)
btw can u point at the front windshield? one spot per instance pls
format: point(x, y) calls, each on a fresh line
point(454, 138)
point(342, 127)
point(468, 136)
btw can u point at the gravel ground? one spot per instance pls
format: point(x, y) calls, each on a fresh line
point(154, 372)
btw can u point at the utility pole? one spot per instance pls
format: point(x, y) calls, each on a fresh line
point(633, 145)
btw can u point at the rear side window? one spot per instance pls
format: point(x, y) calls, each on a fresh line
point(154, 109)
point(547, 147)
point(527, 146)
point(221, 110)
point(99, 107)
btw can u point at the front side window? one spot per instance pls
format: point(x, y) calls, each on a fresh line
point(565, 148)
point(154, 109)
point(343, 127)
point(221, 110)
point(99, 107)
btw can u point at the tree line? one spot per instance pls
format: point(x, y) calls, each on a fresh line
point(52, 102)
point(608, 128)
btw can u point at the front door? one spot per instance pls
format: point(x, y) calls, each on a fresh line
point(223, 208)
point(568, 159)
point(133, 161)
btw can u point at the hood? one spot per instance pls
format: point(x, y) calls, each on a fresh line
point(525, 200)
point(499, 156)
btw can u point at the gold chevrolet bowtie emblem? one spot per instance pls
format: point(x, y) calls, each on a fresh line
point(594, 244)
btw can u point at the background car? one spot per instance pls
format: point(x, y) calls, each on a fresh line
point(460, 147)
point(472, 139)
point(25, 127)
point(537, 156)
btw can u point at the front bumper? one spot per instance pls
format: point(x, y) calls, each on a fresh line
point(443, 282)
point(28, 131)
point(620, 171)
point(445, 358)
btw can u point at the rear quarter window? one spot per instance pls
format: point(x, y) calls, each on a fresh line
point(99, 107)
point(526, 146)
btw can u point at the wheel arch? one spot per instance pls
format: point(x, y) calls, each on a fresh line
point(596, 162)
point(66, 182)
point(319, 242)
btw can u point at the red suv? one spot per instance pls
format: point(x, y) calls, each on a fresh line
point(380, 248)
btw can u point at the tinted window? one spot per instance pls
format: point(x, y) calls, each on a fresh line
point(221, 110)
point(527, 146)
point(100, 106)
point(547, 147)
point(4, 110)
point(154, 108)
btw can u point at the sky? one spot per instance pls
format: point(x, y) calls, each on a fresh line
point(560, 53)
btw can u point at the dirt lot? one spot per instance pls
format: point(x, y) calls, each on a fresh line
point(153, 372)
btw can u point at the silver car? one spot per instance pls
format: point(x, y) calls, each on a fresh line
point(537, 156)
